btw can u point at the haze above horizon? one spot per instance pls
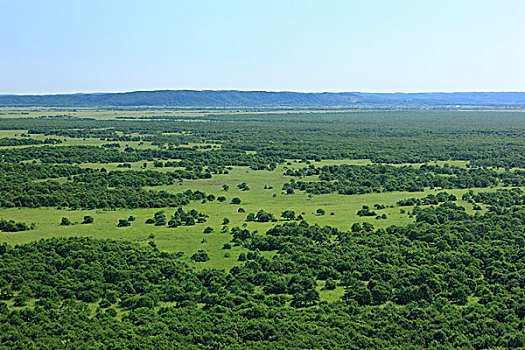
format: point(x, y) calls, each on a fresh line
point(304, 46)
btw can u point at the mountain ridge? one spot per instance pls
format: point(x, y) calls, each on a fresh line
point(238, 98)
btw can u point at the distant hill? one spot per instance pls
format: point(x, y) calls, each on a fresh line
point(232, 98)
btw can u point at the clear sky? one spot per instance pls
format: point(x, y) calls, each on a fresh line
point(50, 46)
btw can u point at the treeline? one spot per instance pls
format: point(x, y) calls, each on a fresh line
point(90, 188)
point(80, 195)
point(496, 200)
point(131, 178)
point(186, 157)
point(355, 179)
point(21, 172)
point(6, 141)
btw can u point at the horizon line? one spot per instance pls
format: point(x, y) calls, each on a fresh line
point(281, 91)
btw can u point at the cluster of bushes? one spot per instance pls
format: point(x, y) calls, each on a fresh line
point(261, 216)
point(499, 199)
point(179, 218)
point(12, 226)
point(365, 211)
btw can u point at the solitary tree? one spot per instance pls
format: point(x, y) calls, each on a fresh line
point(65, 222)
point(88, 219)
point(288, 215)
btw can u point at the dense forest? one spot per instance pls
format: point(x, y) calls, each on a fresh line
point(88, 188)
point(354, 179)
point(453, 283)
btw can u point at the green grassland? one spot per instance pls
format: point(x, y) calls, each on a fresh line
point(340, 212)
point(265, 193)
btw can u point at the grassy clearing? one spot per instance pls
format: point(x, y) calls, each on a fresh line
point(329, 296)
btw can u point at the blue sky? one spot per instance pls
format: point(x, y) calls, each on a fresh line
point(56, 46)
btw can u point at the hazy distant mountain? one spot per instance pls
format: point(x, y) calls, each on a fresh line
point(231, 98)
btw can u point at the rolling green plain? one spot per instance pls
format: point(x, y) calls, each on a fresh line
point(120, 167)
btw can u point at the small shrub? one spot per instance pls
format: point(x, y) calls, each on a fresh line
point(65, 222)
point(200, 256)
point(88, 220)
point(123, 223)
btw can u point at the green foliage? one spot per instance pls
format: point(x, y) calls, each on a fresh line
point(180, 218)
point(356, 179)
point(451, 279)
point(385, 287)
point(88, 189)
point(365, 211)
point(11, 226)
point(123, 223)
point(65, 221)
point(200, 256)
point(288, 215)
point(261, 216)
point(88, 220)
point(5, 141)
point(243, 186)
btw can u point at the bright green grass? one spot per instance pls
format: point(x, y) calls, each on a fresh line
point(329, 296)
point(185, 239)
